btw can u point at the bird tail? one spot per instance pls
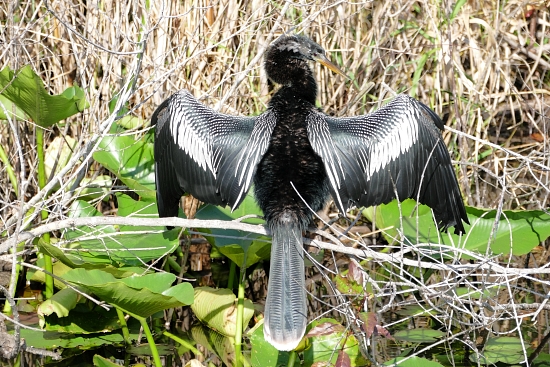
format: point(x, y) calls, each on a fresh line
point(285, 316)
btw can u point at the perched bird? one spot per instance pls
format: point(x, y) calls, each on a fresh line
point(297, 157)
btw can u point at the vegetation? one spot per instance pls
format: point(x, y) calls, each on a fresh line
point(85, 259)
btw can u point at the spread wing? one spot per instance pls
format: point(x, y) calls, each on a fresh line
point(395, 151)
point(211, 155)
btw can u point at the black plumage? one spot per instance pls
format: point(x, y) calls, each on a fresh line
point(297, 157)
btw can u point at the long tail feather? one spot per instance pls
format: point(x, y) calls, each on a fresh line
point(285, 308)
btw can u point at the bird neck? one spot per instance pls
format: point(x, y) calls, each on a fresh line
point(304, 90)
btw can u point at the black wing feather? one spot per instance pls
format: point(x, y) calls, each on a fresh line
point(210, 155)
point(396, 151)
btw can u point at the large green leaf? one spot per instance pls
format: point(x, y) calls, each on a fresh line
point(145, 208)
point(412, 362)
point(217, 308)
point(324, 345)
point(58, 153)
point(95, 247)
point(26, 90)
point(506, 349)
point(518, 232)
point(9, 107)
point(83, 320)
point(131, 161)
point(100, 361)
point(237, 245)
point(222, 346)
point(418, 335)
point(140, 295)
point(266, 355)
point(52, 340)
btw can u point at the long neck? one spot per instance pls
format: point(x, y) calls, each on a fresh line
point(294, 74)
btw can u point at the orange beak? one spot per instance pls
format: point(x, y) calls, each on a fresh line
point(323, 60)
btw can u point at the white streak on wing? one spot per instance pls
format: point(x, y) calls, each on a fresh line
point(396, 132)
point(190, 134)
point(321, 141)
point(256, 145)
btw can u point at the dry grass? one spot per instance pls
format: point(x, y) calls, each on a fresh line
point(486, 70)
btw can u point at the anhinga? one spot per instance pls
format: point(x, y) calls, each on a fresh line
point(297, 157)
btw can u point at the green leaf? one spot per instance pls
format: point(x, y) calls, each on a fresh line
point(130, 122)
point(140, 295)
point(100, 361)
point(96, 187)
point(222, 346)
point(542, 360)
point(264, 354)
point(456, 9)
point(518, 231)
point(323, 346)
point(52, 340)
point(59, 268)
point(418, 335)
point(412, 362)
point(145, 350)
point(131, 161)
point(83, 320)
point(217, 308)
point(241, 247)
point(95, 247)
point(145, 208)
point(60, 303)
point(504, 349)
point(58, 153)
point(9, 106)
point(26, 90)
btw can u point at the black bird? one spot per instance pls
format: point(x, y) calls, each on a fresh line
point(297, 157)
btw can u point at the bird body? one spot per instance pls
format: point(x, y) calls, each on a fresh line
point(297, 157)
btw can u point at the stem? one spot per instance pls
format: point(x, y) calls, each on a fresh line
point(291, 358)
point(183, 342)
point(48, 266)
point(232, 271)
point(150, 340)
point(20, 247)
point(9, 170)
point(124, 325)
point(173, 264)
point(240, 316)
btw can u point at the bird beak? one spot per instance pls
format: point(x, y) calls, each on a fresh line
point(323, 60)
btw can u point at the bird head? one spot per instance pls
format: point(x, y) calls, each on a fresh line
point(302, 48)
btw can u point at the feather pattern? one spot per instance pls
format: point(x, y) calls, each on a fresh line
point(211, 155)
point(395, 152)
